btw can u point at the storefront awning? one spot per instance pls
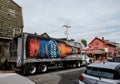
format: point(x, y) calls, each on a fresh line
point(95, 51)
point(5, 39)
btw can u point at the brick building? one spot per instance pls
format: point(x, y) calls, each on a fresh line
point(117, 49)
point(11, 20)
point(11, 23)
point(100, 49)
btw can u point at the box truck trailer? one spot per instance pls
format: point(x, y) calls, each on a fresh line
point(33, 53)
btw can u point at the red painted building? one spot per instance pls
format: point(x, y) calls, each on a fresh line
point(100, 49)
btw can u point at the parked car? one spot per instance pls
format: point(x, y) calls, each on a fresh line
point(87, 59)
point(101, 73)
point(116, 59)
point(110, 58)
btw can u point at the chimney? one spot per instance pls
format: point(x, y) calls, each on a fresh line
point(102, 38)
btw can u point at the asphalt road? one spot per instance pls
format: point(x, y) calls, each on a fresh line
point(58, 76)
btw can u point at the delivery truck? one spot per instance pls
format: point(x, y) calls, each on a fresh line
point(31, 53)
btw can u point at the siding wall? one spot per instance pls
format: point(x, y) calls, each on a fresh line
point(97, 44)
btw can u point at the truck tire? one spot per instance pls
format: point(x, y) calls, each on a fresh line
point(78, 64)
point(66, 65)
point(43, 68)
point(31, 69)
point(3, 62)
point(74, 65)
point(90, 61)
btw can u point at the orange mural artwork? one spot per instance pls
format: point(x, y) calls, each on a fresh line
point(34, 47)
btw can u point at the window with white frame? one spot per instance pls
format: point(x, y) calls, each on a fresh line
point(11, 12)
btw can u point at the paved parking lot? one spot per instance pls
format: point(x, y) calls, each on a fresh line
point(58, 76)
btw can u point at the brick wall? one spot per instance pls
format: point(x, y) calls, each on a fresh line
point(10, 18)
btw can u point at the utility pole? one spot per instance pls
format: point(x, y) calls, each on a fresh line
point(66, 32)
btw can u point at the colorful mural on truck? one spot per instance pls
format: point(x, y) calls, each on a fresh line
point(37, 47)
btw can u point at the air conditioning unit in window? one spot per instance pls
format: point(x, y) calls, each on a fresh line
point(16, 31)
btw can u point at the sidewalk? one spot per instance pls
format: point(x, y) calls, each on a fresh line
point(7, 71)
point(13, 78)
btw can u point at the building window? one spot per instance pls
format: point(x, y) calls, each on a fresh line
point(95, 47)
point(16, 31)
point(11, 12)
point(96, 43)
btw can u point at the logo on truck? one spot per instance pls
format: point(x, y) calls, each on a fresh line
point(37, 47)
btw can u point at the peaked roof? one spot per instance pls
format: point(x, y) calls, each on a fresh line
point(45, 35)
point(107, 42)
point(15, 3)
point(95, 39)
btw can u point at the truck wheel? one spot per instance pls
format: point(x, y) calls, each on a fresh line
point(66, 65)
point(43, 68)
point(31, 69)
point(74, 65)
point(78, 64)
point(90, 61)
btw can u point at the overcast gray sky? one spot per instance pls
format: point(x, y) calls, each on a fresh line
point(87, 18)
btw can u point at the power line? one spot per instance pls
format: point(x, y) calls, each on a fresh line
point(55, 31)
point(102, 29)
point(98, 35)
